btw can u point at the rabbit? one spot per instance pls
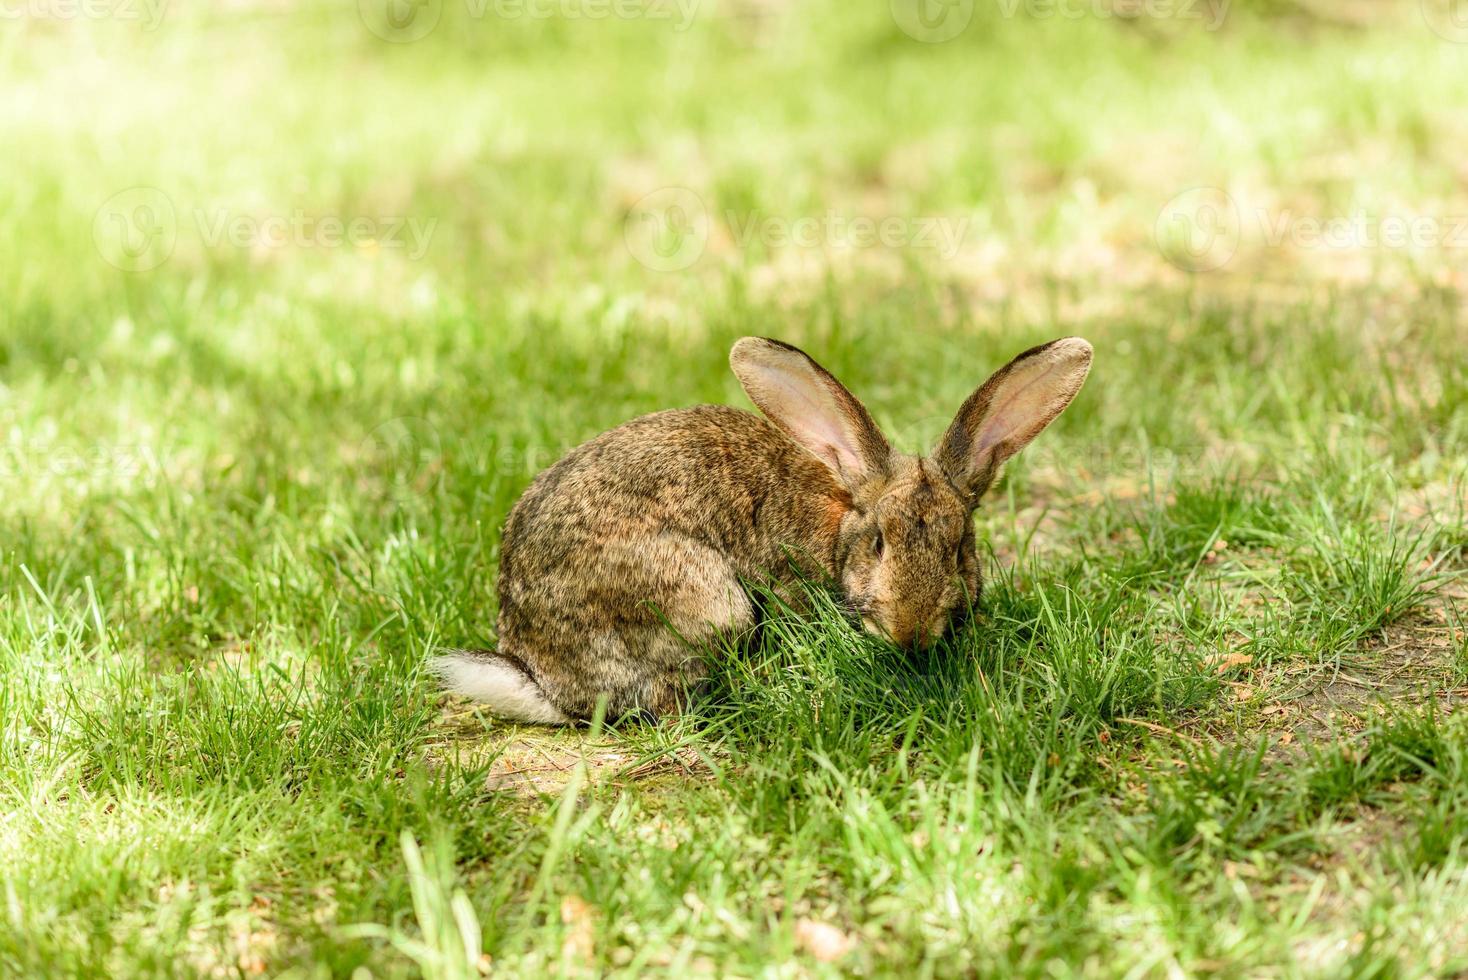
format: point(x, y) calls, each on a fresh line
point(623, 557)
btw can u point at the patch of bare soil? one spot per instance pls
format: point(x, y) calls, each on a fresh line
point(534, 761)
point(1413, 662)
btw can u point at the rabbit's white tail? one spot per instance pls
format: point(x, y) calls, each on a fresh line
point(499, 682)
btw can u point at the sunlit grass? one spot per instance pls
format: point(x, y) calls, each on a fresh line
point(1200, 720)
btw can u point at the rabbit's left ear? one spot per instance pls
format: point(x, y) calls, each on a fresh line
point(1010, 409)
point(812, 407)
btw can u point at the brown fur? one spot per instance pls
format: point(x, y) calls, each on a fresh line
point(627, 554)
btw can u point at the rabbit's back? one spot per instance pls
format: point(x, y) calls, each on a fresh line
point(722, 476)
point(650, 525)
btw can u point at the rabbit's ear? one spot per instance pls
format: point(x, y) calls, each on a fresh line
point(1010, 409)
point(813, 408)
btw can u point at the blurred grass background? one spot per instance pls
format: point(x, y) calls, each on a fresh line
point(252, 468)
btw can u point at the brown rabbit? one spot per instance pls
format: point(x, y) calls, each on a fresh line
point(624, 556)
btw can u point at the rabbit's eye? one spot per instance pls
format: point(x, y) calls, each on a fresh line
point(878, 545)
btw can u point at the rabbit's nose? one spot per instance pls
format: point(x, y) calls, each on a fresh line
point(906, 635)
point(893, 632)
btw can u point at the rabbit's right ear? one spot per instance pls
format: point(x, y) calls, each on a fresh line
point(1010, 409)
point(812, 407)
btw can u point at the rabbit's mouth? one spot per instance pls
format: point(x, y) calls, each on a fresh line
point(869, 616)
point(874, 627)
point(856, 612)
point(906, 637)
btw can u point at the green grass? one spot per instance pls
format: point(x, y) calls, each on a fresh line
point(1203, 721)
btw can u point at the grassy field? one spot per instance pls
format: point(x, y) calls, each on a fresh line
point(295, 301)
